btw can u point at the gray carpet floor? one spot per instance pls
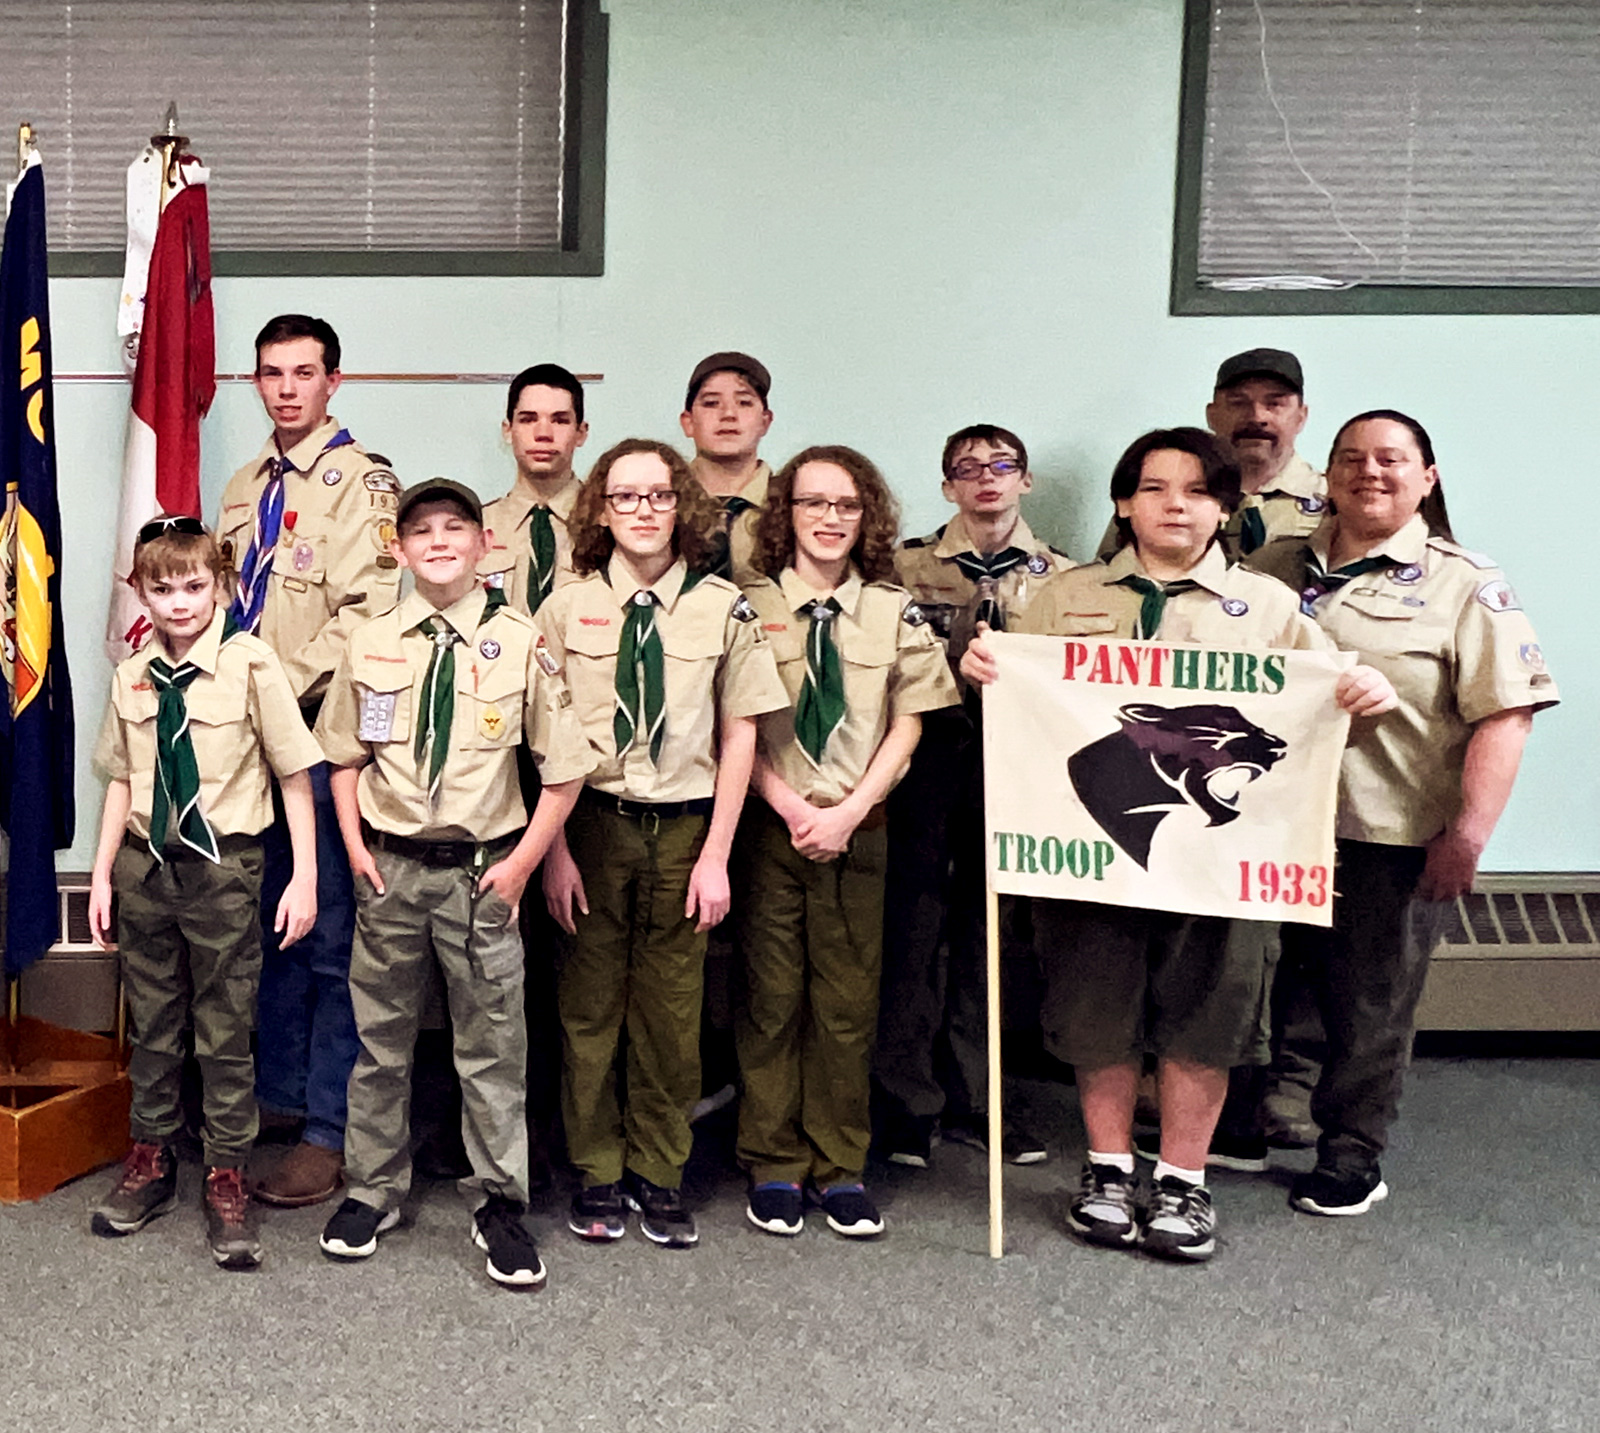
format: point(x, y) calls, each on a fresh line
point(1469, 1301)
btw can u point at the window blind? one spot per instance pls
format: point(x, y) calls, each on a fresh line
point(1406, 142)
point(427, 125)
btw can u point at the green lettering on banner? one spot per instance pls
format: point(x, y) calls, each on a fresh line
point(1186, 669)
point(1001, 837)
point(1272, 675)
point(1104, 854)
point(1027, 864)
point(1244, 672)
point(1052, 855)
point(1216, 671)
point(1078, 858)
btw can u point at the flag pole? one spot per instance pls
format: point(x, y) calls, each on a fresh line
point(25, 146)
point(997, 1234)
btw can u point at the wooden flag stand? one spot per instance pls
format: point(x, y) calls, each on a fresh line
point(997, 1232)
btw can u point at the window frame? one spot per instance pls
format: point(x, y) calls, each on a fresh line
point(580, 254)
point(1190, 298)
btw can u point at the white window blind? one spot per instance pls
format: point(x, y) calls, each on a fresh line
point(1429, 142)
point(395, 125)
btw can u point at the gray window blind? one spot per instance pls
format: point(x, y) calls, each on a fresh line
point(1431, 142)
point(429, 125)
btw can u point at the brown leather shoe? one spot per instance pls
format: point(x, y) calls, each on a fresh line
point(308, 1174)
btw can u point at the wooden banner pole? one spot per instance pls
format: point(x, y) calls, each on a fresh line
point(997, 1234)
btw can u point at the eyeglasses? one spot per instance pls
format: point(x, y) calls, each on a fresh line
point(969, 470)
point(159, 527)
point(816, 508)
point(660, 500)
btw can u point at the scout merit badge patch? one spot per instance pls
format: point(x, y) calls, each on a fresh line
point(377, 715)
point(1164, 776)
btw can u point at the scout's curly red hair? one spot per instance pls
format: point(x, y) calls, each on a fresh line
point(873, 553)
point(698, 519)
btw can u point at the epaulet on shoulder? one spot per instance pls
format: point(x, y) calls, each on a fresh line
point(514, 614)
point(932, 540)
point(1059, 553)
point(1481, 561)
point(912, 543)
point(377, 459)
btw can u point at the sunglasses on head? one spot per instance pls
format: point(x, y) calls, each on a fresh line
point(159, 527)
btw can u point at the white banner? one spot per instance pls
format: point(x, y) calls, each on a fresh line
point(1165, 776)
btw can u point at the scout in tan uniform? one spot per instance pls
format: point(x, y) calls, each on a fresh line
point(197, 719)
point(1120, 980)
point(861, 667)
point(932, 1032)
point(423, 720)
point(1420, 790)
point(530, 547)
point(725, 416)
point(307, 525)
point(669, 671)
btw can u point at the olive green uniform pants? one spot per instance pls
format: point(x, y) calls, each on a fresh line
point(635, 967)
point(189, 936)
point(812, 935)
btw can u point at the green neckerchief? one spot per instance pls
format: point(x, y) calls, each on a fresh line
point(437, 707)
point(975, 566)
point(821, 706)
point(1252, 529)
point(542, 560)
point(1320, 582)
point(176, 786)
point(641, 679)
point(1155, 596)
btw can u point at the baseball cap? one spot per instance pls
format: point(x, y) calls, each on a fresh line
point(1262, 363)
point(741, 363)
point(435, 489)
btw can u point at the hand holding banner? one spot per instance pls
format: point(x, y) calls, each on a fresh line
point(1164, 776)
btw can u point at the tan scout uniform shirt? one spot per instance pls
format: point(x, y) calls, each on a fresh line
point(741, 530)
point(1231, 606)
point(505, 687)
point(893, 667)
point(243, 719)
point(927, 567)
point(509, 520)
point(1444, 626)
point(332, 570)
point(1290, 510)
point(719, 667)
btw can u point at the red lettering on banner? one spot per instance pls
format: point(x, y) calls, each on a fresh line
point(1077, 655)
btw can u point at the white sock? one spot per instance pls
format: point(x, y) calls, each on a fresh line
point(1124, 1162)
point(1188, 1176)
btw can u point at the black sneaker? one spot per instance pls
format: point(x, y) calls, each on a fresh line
point(498, 1230)
point(1105, 1210)
point(146, 1188)
point(1179, 1222)
point(231, 1219)
point(598, 1213)
point(353, 1231)
point(1326, 1191)
point(662, 1218)
point(1246, 1154)
point(777, 1207)
point(849, 1212)
point(908, 1140)
point(1017, 1145)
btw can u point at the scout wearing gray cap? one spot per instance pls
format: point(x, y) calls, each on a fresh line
point(750, 369)
point(437, 490)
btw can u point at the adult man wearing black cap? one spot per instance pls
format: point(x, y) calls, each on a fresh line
point(725, 416)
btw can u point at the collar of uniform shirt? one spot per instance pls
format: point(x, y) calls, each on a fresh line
point(520, 503)
point(667, 588)
point(957, 539)
point(753, 492)
point(1297, 480)
point(206, 646)
point(1211, 572)
point(1409, 545)
point(800, 598)
point(303, 456)
point(463, 614)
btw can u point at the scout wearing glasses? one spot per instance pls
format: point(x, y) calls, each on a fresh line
point(1121, 981)
point(933, 982)
point(423, 721)
point(196, 722)
point(861, 667)
point(306, 526)
point(725, 416)
point(669, 671)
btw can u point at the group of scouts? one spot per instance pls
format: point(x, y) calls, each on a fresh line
point(731, 702)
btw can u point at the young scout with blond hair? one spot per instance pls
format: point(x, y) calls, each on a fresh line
point(197, 721)
point(423, 720)
point(861, 667)
point(669, 670)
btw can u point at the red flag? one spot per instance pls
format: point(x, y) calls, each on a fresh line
point(173, 386)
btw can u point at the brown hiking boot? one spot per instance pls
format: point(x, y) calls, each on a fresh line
point(308, 1174)
point(146, 1187)
point(231, 1220)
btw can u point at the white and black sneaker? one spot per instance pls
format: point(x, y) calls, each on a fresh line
point(353, 1231)
point(849, 1211)
point(777, 1208)
point(1179, 1222)
point(498, 1230)
point(1325, 1191)
point(1105, 1210)
point(662, 1218)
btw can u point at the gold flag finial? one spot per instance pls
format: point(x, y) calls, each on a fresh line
point(26, 136)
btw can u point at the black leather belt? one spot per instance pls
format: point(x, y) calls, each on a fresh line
point(440, 855)
point(177, 851)
point(640, 810)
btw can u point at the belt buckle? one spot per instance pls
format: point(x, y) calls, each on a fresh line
point(650, 823)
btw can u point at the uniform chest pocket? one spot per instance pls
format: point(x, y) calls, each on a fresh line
point(489, 710)
point(212, 703)
point(300, 557)
point(383, 703)
point(1084, 624)
point(701, 642)
point(1372, 622)
point(137, 703)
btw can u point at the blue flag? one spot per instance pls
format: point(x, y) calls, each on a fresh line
point(36, 775)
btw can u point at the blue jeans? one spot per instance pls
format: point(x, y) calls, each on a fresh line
point(307, 1041)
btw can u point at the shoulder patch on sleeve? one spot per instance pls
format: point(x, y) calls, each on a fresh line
point(1498, 596)
point(381, 480)
point(742, 609)
point(913, 616)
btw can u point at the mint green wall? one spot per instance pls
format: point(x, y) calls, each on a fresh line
point(918, 213)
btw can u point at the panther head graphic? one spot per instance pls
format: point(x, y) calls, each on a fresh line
point(1165, 758)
